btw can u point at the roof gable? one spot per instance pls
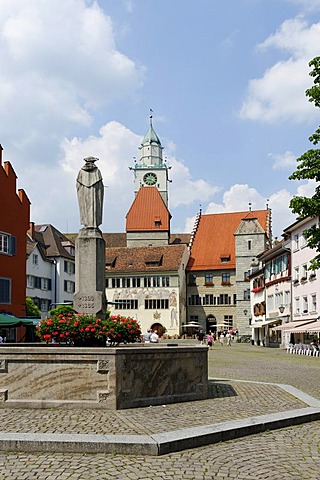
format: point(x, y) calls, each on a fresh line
point(148, 212)
point(214, 240)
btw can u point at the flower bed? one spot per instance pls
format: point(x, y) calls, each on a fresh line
point(87, 330)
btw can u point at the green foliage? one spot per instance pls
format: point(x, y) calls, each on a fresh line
point(308, 168)
point(62, 310)
point(31, 309)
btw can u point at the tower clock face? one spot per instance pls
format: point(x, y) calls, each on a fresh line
point(150, 178)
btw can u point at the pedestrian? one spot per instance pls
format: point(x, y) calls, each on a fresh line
point(154, 337)
point(1, 339)
point(201, 336)
point(228, 337)
point(221, 339)
point(210, 341)
point(147, 335)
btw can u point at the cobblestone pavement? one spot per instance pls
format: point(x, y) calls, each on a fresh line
point(291, 453)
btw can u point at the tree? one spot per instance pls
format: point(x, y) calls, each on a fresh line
point(309, 168)
point(31, 309)
point(62, 310)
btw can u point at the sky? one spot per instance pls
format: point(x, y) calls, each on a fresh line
point(225, 79)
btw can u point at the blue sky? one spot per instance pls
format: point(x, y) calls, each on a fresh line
point(226, 81)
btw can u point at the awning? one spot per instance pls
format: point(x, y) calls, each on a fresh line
point(12, 321)
point(264, 324)
point(289, 325)
point(9, 320)
point(192, 324)
point(309, 327)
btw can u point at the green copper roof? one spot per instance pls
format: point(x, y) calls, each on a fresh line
point(151, 136)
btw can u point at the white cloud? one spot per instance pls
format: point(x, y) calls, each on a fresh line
point(238, 197)
point(284, 161)
point(280, 93)
point(61, 62)
point(115, 146)
point(185, 190)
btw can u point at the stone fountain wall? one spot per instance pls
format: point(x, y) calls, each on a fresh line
point(107, 378)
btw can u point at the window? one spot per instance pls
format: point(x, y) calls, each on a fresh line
point(147, 282)
point(37, 282)
point(45, 284)
point(246, 276)
point(278, 299)
point(208, 299)
point(228, 321)
point(270, 302)
point(246, 294)
point(296, 274)
point(35, 259)
point(249, 244)
point(125, 282)
point(7, 244)
point(225, 278)
point(153, 304)
point(297, 306)
point(131, 304)
point(286, 298)
point(194, 300)
point(5, 290)
point(296, 242)
point(192, 279)
point(29, 281)
point(225, 259)
point(304, 304)
point(44, 305)
point(69, 267)
point(165, 281)
point(224, 299)
point(69, 286)
point(136, 282)
point(304, 272)
point(115, 282)
point(156, 281)
point(208, 279)
point(313, 303)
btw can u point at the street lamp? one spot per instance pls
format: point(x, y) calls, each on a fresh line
point(281, 308)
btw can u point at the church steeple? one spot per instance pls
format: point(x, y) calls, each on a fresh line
point(151, 149)
point(151, 171)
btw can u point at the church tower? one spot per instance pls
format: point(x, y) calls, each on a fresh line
point(151, 171)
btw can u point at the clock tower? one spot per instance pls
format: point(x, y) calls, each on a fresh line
point(151, 171)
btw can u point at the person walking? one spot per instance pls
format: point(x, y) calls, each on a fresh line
point(228, 337)
point(210, 341)
point(221, 339)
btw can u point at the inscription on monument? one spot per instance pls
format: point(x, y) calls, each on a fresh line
point(88, 303)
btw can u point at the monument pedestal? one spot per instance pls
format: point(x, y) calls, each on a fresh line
point(90, 267)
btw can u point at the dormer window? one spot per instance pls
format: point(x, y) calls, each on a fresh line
point(153, 261)
point(225, 258)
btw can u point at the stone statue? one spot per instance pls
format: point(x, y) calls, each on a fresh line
point(90, 194)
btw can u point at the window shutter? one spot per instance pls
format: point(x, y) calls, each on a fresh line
point(12, 245)
point(49, 284)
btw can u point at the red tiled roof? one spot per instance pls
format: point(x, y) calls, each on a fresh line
point(214, 238)
point(148, 212)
